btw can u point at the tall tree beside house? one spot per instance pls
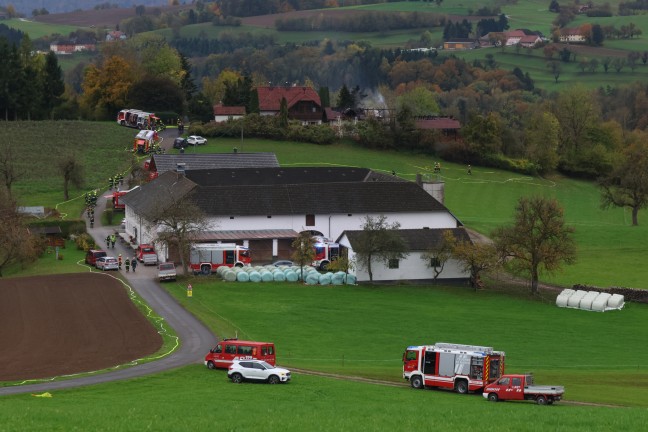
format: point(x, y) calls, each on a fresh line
point(325, 97)
point(437, 256)
point(9, 172)
point(177, 221)
point(303, 251)
point(16, 244)
point(539, 238)
point(187, 83)
point(72, 172)
point(378, 242)
point(476, 258)
point(627, 184)
point(345, 99)
point(283, 114)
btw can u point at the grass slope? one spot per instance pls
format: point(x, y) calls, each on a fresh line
point(193, 398)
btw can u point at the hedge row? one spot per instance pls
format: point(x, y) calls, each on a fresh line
point(633, 295)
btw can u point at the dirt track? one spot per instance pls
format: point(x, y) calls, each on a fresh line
point(66, 324)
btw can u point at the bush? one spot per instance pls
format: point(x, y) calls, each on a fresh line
point(84, 242)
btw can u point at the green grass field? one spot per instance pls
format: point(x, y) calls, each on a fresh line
point(37, 30)
point(193, 398)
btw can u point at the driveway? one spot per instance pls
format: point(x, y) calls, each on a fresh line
point(195, 338)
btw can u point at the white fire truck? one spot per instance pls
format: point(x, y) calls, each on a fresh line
point(463, 368)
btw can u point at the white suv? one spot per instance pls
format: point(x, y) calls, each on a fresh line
point(257, 370)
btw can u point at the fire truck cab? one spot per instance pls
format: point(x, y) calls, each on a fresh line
point(463, 368)
point(325, 252)
point(206, 257)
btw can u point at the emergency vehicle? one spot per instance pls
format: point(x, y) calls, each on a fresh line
point(137, 119)
point(144, 141)
point(462, 368)
point(228, 350)
point(325, 252)
point(115, 197)
point(206, 257)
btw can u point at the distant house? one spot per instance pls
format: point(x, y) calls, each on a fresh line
point(303, 103)
point(571, 35)
point(69, 47)
point(460, 44)
point(447, 125)
point(115, 35)
point(530, 41)
point(225, 113)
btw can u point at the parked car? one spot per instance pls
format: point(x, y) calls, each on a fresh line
point(107, 263)
point(166, 271)
point(287, 263)
point(257, 370)
point(180, 143)
point(196, 140)
point(92, 255)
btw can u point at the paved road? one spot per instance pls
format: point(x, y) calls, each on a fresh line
point(195, 338)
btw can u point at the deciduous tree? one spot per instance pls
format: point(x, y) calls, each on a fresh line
point(72, 172)
point(378, 242)
point(303, 250)
point(437, 256)
point(9, 171)
point(476, 258)
point(17, 245)
point(627, 184)
point(539, 238)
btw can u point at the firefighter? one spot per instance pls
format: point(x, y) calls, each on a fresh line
point(134, 263)
point(119, 261)
point(110, 183)
point(113, 239)
point(91, 221)
point(107, 241)
point(127, 264)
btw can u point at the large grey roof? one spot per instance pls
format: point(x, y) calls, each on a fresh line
point(169, 162)
point(315, 198)
point(159, 193)
point(416, 239)
point(284, 176)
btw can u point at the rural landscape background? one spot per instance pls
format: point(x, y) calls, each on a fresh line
point(359, 333)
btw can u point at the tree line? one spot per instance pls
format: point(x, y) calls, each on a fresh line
point(374, 21)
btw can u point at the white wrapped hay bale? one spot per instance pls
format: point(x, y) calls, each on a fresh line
point(574, 299)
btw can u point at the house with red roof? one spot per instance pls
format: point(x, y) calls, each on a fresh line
point(304, 103)
point(571, 35)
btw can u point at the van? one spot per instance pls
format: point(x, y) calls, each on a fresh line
point(228, 350)
point(92, 255)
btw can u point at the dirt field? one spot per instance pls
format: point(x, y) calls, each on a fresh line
point(66, 324)
point(102, 17)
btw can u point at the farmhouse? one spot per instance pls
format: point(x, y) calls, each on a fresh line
point(303, 103)
point(70, 47)
point(571, 35)
point(265, 208)
point(416, 265)
point(226, 113)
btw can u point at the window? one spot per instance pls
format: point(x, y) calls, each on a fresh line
point(310, 220)
point(218, 349)
point(411, 355)
point(393, 263)
point(264, 351)
point(516, 382)
point(230, 349)
point(269, 217)
point(504, 381)
point(270, 349)
point(245, 350)
point(435, 262)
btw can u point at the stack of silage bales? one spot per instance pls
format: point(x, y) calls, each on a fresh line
point(270, 273)
point(589, 300)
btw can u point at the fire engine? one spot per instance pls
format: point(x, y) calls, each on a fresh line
point(325, 252)
point(205, 257)
point(137, 119)
point(115, 196)
point(144, 140)
point(463, 368)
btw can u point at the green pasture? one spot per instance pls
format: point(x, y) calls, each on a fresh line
point(193, 398)
point(37, 30)
point(364, 330)
point(101, 148)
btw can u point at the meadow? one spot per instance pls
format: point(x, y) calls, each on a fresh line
point(194, 398)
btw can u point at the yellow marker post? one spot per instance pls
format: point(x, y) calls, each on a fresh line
point(189, 291)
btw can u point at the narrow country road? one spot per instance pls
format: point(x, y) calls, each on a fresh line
point(195, 338)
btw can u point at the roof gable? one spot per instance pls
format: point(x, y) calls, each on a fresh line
point(270, 97)
point(415, 239)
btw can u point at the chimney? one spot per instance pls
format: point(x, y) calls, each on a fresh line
point(436, 189)
point(181, 168)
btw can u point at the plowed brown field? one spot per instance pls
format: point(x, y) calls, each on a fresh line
point(67, 324)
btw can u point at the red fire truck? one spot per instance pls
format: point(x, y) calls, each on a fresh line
point(144, 140)
point(325, 252)
point(222, 355)
point(463, 368)
point(205, 257)
point(137, 119)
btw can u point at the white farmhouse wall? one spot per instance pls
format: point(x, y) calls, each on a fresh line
point(413, 267)
point(331, 225)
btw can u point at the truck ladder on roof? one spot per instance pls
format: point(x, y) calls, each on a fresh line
point(463, 348)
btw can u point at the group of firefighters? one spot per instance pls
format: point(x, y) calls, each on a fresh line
point(115, 181)
point(127, 263)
